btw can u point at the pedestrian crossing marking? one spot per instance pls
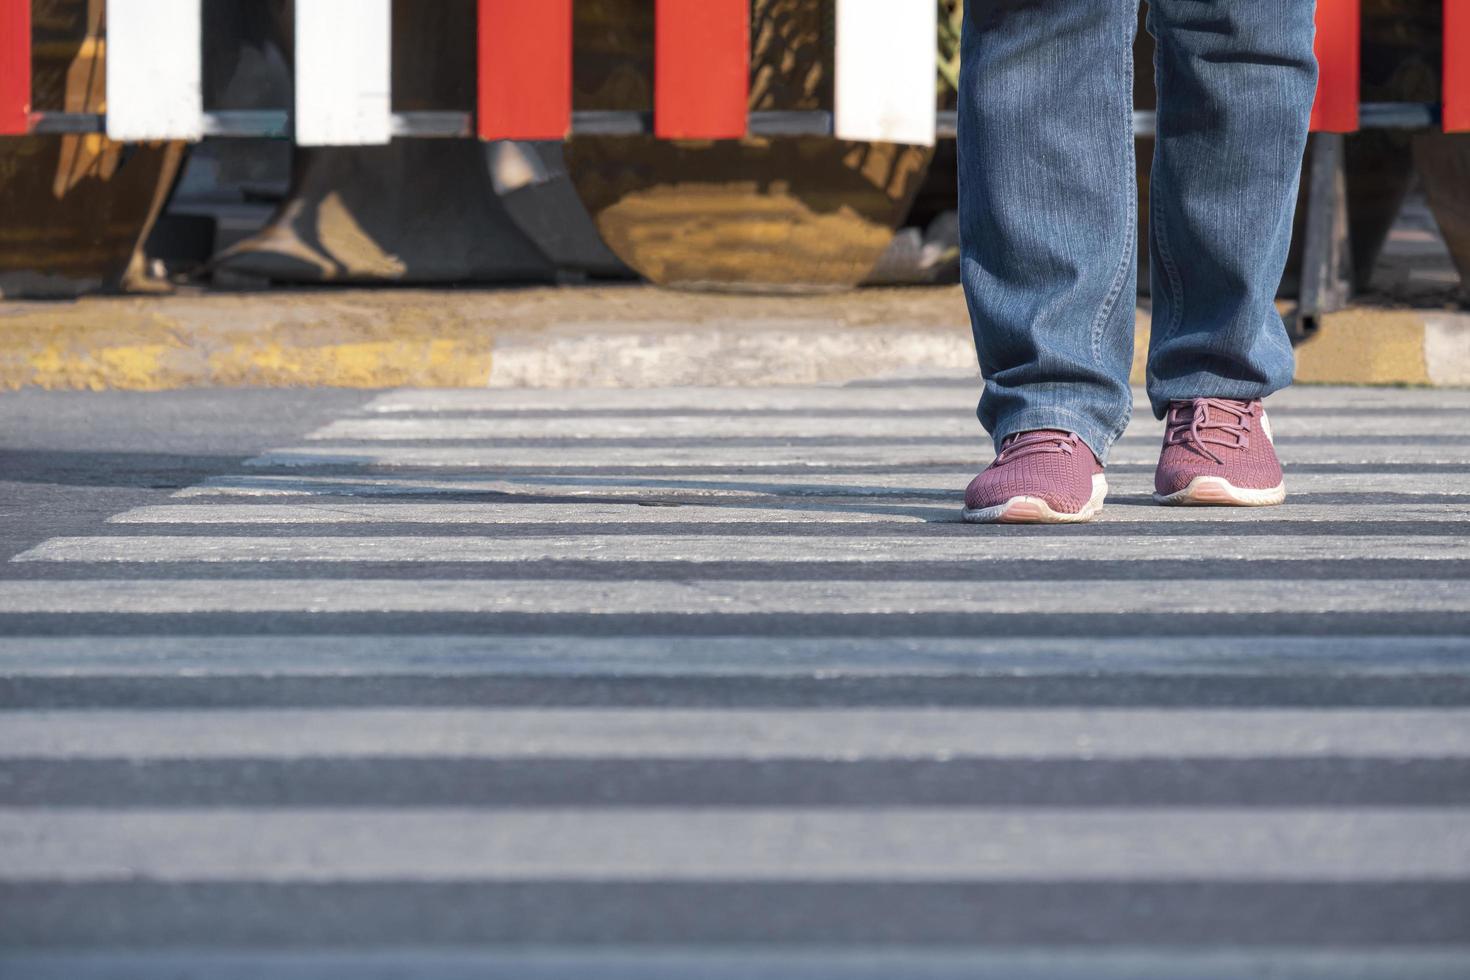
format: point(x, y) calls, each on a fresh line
point(257, 637)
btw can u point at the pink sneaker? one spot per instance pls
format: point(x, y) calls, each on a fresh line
point(1041, 477)
point(1218, 451)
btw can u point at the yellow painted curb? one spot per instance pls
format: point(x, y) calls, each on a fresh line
point(154, 344)
point(357, 338)
point(1370, 346)
point(1365, 347)
point(624, 335)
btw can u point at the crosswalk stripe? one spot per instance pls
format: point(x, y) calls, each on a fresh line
point(781, 425)
point(593, 513)
point(847, 734)
point(723, 597)
point(1382, 453)
point(774, 426)
point(156, 656)
point(635, 549)
point(498, 512)
point(776, 399)
point(958, 396)
point(213, 737)
point(948, 482)
point(899, 844)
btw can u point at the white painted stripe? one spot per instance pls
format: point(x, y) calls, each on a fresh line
point(343, 69)
point(773, 426)
point(949, 395)
point(708, 596)
point(848, 734)
point(814, 484)
point(497, 512)
point(963, 545)
point(154, 57)
point(852, 962)
point(171, 656)
point(794, 425)
point(687, 844)
point(641, 487)
point(627, 458)
point(960, 398)
point(646, 487)
point(1375, 452)
point(789, 512)
point(1353, 397)
point(732, 350)
point(885, 75)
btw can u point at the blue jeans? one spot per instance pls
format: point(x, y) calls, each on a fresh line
point(1048, 203)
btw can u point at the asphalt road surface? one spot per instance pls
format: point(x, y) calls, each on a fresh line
point(712, 683)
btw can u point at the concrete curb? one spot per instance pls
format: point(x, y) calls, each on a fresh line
point(623, 336)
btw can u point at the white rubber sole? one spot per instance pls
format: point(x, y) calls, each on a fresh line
point(1034, 510)
point(1216, 491)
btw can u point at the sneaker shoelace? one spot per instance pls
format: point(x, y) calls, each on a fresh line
point(1035, 444)
point(1206, 422)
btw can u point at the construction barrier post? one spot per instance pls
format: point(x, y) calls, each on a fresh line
point(525, 69)
point(886, 71)
point(1456, 83)
point(701, 71)
point(15, 67)
point(344, 75)
point(154, 70)
point(1336, 108)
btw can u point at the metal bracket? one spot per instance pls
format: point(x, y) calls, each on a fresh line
point(1327, 259)
point(451, 124)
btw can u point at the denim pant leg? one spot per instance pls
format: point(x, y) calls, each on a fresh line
point(1048, 212)
point(1236, 80)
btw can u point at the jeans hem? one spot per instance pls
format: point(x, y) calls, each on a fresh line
point(1098, 439)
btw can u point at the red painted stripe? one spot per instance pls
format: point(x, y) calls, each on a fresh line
point(701, 72)
point(1456, 66)
point(525, 84)
point(15, 67)
point(1336, 108)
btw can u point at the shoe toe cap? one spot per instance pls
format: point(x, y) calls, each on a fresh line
point(1172, 479)
point(991, 489)
point(1254, 471)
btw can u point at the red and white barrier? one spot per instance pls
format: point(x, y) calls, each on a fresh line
point(885, 78)
point(525, 70)
point(1338, 44)
point(884, 88)
point(15, 67)
point(701, 70)
point(343, 72)
point(154, 70)
point(1456, 84)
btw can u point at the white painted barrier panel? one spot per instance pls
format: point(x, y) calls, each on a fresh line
point(343, 72)
point(153, 70)
point(886, 52)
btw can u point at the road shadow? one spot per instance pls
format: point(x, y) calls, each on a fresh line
point(99, 468)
